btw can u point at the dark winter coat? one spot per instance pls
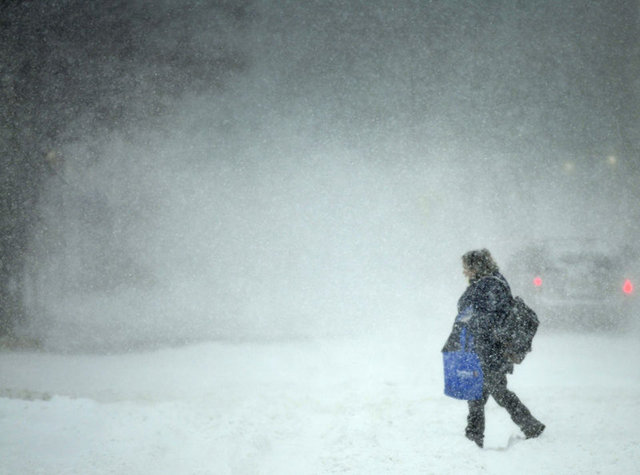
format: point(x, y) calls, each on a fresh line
point(486, 300)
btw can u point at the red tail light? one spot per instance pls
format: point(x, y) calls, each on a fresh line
point(627, 288)
point(537, 281)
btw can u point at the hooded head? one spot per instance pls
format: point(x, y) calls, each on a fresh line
point(478, 263)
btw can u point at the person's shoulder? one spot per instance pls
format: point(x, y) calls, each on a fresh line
point(498, 275)
point(495, 280)
point(501, 282)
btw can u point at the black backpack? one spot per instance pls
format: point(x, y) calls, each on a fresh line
point(517, 329)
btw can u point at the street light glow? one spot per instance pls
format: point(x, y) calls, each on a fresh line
point(569, 167)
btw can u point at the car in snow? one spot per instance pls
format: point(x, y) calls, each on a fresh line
point(577, 283)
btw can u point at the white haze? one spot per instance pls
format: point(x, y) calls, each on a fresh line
point(321, 193)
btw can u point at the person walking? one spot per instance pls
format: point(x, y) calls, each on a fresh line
point(487, 299)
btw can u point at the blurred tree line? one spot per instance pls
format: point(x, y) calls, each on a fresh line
point(73, 69)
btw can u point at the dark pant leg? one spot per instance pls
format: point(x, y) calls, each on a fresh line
point(517, 410)
point(475, 419)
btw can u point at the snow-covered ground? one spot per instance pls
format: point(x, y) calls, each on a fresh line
point(371, 404)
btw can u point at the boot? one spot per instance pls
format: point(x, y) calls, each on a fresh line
point(533, 430)
point(478, 439)
point(475, 422)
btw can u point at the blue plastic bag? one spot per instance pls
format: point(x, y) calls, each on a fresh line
point(463, 377)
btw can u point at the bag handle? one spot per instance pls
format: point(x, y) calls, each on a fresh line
point(464, 341)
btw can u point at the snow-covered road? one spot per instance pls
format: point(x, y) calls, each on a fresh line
point(353, 405)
